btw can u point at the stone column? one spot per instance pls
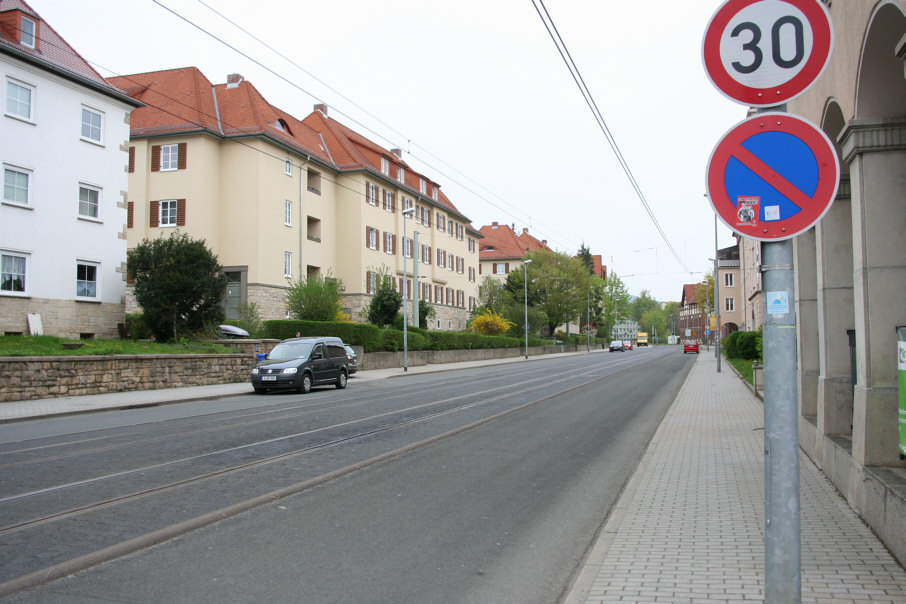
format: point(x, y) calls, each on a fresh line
point(807, 321)
point(835, 314)
point(875, 150)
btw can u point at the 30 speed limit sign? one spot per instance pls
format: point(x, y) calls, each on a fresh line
point(763, 53)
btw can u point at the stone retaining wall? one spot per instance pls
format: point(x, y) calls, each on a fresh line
point(26, 378)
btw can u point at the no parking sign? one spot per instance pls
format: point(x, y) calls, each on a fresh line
point(772, 176)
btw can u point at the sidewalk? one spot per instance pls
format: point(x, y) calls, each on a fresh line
point(689, 526)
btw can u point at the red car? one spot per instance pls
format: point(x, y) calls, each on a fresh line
point(690, 346)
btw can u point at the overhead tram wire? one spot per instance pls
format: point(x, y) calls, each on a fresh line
point(592, 105)
point(312, 95)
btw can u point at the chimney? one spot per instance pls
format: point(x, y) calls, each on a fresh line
point(494, 225)
point(322, 108)
point(233, 80)
point(525, 230)
point(398, 153)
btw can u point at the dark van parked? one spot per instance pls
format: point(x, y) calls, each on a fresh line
point(300, 363)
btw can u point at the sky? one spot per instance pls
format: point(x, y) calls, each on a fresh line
point(479, 99)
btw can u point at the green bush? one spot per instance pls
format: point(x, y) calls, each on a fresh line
point(137, 328)
point(743, 345)
point(730, 345)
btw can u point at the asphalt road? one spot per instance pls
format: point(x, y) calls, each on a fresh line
point(482, 485)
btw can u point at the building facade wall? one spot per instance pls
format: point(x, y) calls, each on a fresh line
point(855, 259)
point(49, 231)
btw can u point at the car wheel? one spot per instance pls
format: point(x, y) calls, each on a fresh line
point(341, 381)
point(305, 384)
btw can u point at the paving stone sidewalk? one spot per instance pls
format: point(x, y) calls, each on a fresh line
point(690, 525)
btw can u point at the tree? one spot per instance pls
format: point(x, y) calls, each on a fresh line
point(425, 311)
point(672, 312)
point(493, 295)
point(179, 284)
point(314, 299)
point(643, 304)
point(584, 254)
point(704, 294)
point(386, 302)
point(654, 321)
point(558, 286)
point(616, 303)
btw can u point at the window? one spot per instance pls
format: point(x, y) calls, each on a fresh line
point(729, 304)
point(450, 228)
point(450, 261)
point(287, 212)
point(314, 229)
point(89, 202)
point(385, 166)
point(314, 182)
point(460, 265)
point(441, 222)
point(422, 186)
point(91, 124)
point(19, 100)
point(500, 268)
point(288, 264)
point(434, 193)
point(16, 187)
point(389, 241)
point(371, 238)
point(471, 245)
point(12, 273)
point(86, 280)
point(407, 204)
point(401, 174)
point(459, 231)
point(472, 274)
point(371, 193)
point(287, 166)
point(426, 254)
point(370, 282)
point(29, 33)
point(407, 247)
point(728, 279)
point(168, 212)
point(441, 258)
point(169, 157)
point(388, 201)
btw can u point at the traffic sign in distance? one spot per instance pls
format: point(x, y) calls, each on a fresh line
point(773, 176)
point(763, 53)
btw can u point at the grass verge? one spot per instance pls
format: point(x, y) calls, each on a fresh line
point(37, 346)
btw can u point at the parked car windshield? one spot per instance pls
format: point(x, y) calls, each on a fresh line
point(285, 351)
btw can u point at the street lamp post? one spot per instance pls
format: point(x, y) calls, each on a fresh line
point(716, 298)
point(525, 300)
point(406, 214)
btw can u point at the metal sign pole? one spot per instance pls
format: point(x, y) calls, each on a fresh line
point(783, 544)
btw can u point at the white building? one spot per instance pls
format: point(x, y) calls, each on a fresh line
point(63, 145)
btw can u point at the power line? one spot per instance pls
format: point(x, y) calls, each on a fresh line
point(346, 115)
point(599, 118)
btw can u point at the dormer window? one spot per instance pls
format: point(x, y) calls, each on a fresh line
point(401, 174)
point(434, 193)
point(28, 35)
point(385, 166)
point(422, 186)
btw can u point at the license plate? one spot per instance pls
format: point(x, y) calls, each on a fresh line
point(268, 378)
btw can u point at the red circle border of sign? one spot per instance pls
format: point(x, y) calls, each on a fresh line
point(822, 35)
point(804, 130)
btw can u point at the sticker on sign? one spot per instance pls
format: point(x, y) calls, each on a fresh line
point(766, 52)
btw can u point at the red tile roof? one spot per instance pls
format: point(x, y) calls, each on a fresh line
point(688, 294)
point(51, 50)
point(500, 243)
point(532, 244)
point(184, 100)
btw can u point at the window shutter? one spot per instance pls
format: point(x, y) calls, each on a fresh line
point(506, 268)
point(155, 158)
point(393, 202)
point(429, 254)
point(393, 239)
point(155, 213)
point(131, 159)
point(377, 239)
point(130, 214)
point(479, 269)
point(181, 160)
point(367, 232)
point(180, 212)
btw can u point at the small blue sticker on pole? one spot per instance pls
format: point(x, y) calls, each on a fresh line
point(778, 303)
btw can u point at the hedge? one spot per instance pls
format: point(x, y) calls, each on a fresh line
point(742, 345)
point(375, 339)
